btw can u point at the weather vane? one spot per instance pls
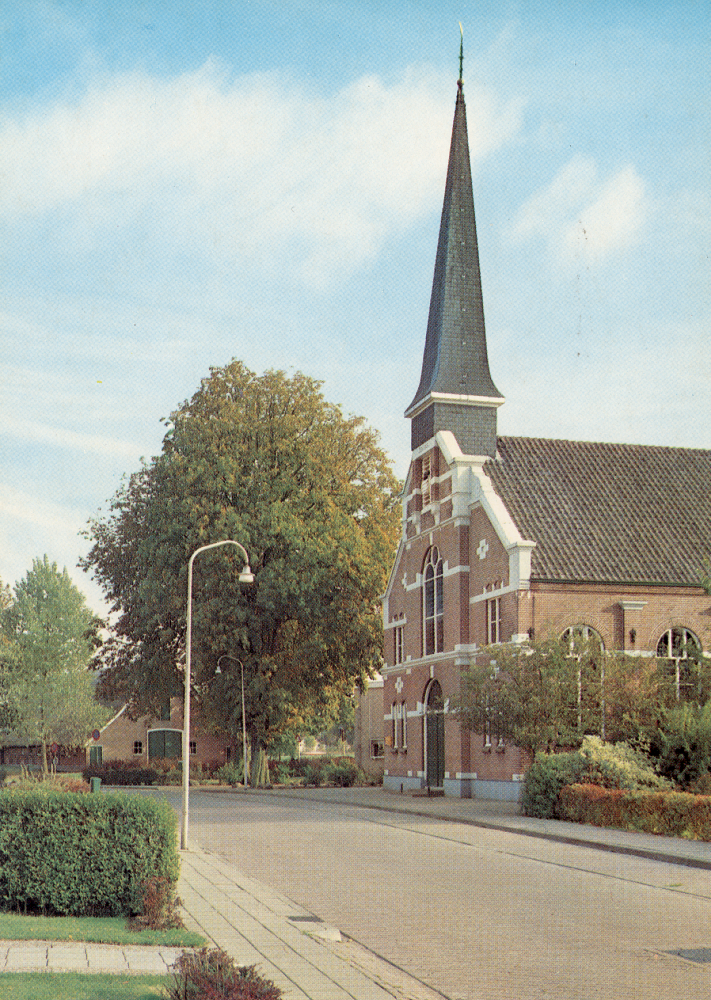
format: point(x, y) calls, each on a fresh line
point(461, 53)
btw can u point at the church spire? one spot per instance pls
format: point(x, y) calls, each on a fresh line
point(456, 391)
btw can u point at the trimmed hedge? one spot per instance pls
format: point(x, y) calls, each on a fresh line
point(112, 775)
point(84, 855)
point(669, 814)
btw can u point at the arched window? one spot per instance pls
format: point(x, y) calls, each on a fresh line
point(681, 649)
point(433, 603)
point(577, 637)
point(403, 728)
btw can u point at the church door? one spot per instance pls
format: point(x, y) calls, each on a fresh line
point(434, 736)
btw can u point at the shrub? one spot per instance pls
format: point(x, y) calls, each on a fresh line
point(607, 765)
point(83, 855)
point(280, 772)
point(669, 813)
point(230, 774)
point(618, 765)
point(212, 975)
point(344, 773)
point(120, 773)
point(314, 775)
point(682, 746)
point(67, 782)
point(545, 778)
point(702, 786)
point(160, 907)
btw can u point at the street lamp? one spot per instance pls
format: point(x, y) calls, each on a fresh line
point(246, 576)
point(226, 656)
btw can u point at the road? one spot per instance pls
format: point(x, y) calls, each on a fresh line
point(475, 913)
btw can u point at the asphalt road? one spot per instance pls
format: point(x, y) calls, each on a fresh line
point(475, 913)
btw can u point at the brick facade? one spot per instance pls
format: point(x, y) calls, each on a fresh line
point(136, 741)
point(506, 539)
point(488, 596)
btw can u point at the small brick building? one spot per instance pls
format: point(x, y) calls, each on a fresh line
point(368, 746)
point(507, 538)
point(141, 740)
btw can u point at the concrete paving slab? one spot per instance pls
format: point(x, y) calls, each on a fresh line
point(67, 957)
point(26, 956)
point(148, 960)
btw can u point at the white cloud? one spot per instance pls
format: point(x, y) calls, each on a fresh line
point(58, 437)
point(237, 168)
point(612, 222)
point(27, 508)
point(546, 211)
point(31, 528)
point(583, 218)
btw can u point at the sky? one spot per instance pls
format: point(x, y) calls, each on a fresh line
point(187, 182)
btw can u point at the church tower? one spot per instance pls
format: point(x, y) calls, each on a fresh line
point(456, 391)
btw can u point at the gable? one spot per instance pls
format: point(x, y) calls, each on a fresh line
point(607, 512)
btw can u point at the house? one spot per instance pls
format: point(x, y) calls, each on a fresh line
point(141, 740)
point(508, 538)
point(368, 746)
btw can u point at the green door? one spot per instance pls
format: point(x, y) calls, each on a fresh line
point(165, 743)
point(434, 736)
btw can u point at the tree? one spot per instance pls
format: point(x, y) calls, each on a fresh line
point(524, 694)
point(51, 636)
point(550, 694)
point(266, 461)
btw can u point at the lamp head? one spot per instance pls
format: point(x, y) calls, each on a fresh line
point(246, 576)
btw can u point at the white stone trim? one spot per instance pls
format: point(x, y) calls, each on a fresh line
point(451, 397)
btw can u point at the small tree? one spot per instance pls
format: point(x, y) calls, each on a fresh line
point(50, 637)
point(526, 694)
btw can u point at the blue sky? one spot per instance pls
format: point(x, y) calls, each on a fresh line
point(182, 183)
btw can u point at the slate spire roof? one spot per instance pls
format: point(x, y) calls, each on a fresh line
point(455, 361)
point(608, 513)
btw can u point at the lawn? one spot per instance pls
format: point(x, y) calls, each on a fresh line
point(99, 930)
point(80, 986)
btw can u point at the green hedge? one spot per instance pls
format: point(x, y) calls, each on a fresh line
point(670, 814)
point(609, 765)
point(112, 775)
point(544, 780)
point(83, 855)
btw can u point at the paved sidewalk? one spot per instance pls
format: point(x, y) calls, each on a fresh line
point(258, 926)
point(77, 956)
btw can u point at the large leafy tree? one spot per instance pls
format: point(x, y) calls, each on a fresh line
point(266, 461)
point(49, 637)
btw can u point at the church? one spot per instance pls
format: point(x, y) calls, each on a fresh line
point(508, 539)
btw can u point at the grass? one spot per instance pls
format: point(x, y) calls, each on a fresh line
point(99, 930)
point(80, 986)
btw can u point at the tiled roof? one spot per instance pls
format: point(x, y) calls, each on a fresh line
point(608, 512)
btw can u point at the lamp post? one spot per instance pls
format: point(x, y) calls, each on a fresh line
point(246, 576)
point(226, 656)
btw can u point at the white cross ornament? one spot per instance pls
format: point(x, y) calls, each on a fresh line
point(399, 685)
point(483, 549)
